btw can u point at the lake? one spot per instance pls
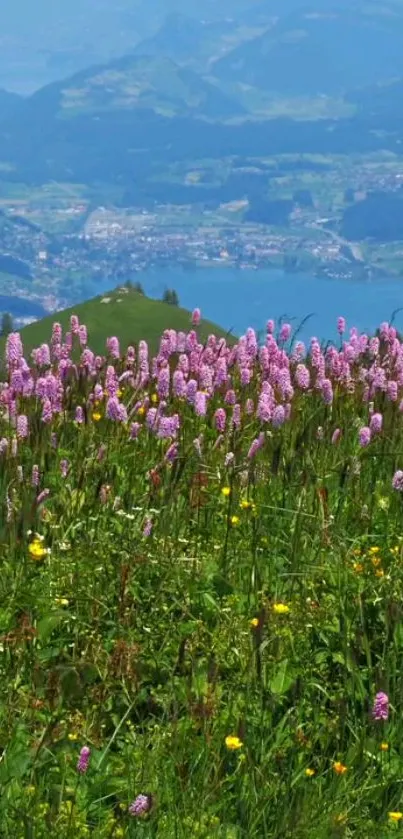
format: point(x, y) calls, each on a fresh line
point(236, 299)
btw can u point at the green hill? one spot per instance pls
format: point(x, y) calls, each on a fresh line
point(129, 83)
point(128, 314)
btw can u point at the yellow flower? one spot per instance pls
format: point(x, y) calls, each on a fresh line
point(341, 818)
point(374, 550)
point(36, 549)
point(245, 505)
point(395, 550)
point(119, 393)
point(154, 398)
point(96, 416)
point(358, 567)
point(233, 743)
point(339, 768)
point(73, 736)
point(395, 816)
point(226, 491)
point(254, 622)
point(379, 572)
point(62, 601)
point(310, 773)
point(384, 747)
point(235, 520)
point(141, 411)
point(376, 561)
point(281, 609)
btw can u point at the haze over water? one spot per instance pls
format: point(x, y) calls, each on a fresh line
point(237, 299)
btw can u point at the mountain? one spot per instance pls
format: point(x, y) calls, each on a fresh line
point(45, 41)
point(9, 102)
point(320, 51)
point(187, 40)
point(199, 42)
point(380, 100)
point(156, 83)
point(126, 121)
point(125, 312)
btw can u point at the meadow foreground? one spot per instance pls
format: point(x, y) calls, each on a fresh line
point(201, 588)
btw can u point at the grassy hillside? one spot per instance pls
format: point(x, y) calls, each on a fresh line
point(201, 589)
point(155, 82)
point(128, 314)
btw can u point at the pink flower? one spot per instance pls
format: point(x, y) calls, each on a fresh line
point(392, 391)
point(380, 710)
point(285, 332)
point(341, 325)
point(196, 317)
point(163, 383)
point(83, 335)
point(22, 427)
point(201, 404)
point(14, 349)
point(256, 445)
point(42, 497)
point(302, 377)
point(364, 436)
point(397, 481)
point(113, 347)
point(376, 423)
point(74, 324)
point(141, 806)
point(148, 526)
point(278, 417)
point(327, 391)
point(83, 760)
point(336, 436)
point(220, 420)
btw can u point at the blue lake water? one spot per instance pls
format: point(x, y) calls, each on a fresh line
point(236, 299)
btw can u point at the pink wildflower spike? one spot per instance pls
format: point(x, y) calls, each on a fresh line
point(380, 710)
point(83, 760)
point(141, 806)
point(341, 325)
point(364, 436)
point(397, 481)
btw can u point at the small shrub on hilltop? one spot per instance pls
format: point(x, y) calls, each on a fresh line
point(201, 588)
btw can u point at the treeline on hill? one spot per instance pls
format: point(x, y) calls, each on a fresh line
point(379, 217)
point(126, 147)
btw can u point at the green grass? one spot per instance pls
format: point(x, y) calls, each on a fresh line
point(156, 601)
point(134, 317)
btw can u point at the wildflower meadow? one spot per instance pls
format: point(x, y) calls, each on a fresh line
point(201, 582)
